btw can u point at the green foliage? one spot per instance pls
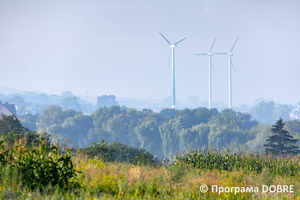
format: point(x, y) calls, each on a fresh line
point(29, 121)
point(133, 155)
point(282, 111)
point(49, 116)
point(169, 132)
point(263, 112)
point(148, 135)
point(12, 130)
point(68, 113)
point(195, 137)
point(107, 100)
point(281, 142)
point(164, 133)
point(119, 128)
point(67, 124)
point(11, 123)
point(257, 137)
point(99, 150)
point(293, 127)
point(117, 151)
point(168, 113)
point(31, 138)
point(143, 158)
point(40, 167)
point(97, 134)
point(70, 103)
point(215, 160)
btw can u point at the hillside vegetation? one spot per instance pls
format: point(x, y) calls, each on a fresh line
point(32, 167)
point(164, 134)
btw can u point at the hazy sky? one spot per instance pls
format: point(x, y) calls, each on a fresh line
point(113, 47)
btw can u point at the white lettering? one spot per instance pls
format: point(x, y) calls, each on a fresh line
point(274, 188)
point(213, 187)
point(285, 188)
point(243, 189)
point(221, 190)
point(249, 189)
point(291, 188)
point(227, 189)
point(279, 188)
point(265, 188)
point(236, 190)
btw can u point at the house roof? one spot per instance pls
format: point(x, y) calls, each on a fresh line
point(4, 110)
point(11, 108)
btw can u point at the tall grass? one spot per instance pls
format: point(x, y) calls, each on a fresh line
point(122, 180)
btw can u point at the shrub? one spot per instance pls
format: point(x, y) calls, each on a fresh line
point(117, 151)
point(40, 167)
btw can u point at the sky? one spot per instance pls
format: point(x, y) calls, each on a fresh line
point(114, 47)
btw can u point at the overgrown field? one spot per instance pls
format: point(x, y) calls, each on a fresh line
point(44, 173)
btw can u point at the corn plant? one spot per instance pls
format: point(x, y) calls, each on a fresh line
point(214, 160)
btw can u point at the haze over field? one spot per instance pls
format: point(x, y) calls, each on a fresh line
point(113, 47)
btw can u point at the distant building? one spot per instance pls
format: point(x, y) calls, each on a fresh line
point(7, 109)
point(295, 114)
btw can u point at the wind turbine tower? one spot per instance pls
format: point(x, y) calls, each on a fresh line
point(172, 52)
point(230, 76)
point(209, 73)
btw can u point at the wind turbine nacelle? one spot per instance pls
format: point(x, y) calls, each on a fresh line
point(173, 46)
point(210, 54)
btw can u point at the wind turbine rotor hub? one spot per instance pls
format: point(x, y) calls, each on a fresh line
point(172, 46)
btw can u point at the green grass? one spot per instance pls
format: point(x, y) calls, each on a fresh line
point(117, 180)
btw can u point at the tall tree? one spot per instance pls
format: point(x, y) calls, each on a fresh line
point(11, 123)
point(281, 141)
point(263, 112)
point(107, 100)
point(282, 111)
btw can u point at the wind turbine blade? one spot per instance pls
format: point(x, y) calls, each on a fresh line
point(221, 53)
point(212, 45)
point(232, 66)
point(201, 54)
point(165, 39)
point(180, 41)
point(234, 44)
point(169, 57)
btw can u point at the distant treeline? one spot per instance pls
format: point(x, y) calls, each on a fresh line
point(263, 110)
point(163, 133)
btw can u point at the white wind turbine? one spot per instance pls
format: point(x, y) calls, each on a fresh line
point(209, 73)
point(172, 51)
point(230, 65)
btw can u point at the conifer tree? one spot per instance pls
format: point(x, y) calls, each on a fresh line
point(281, 142)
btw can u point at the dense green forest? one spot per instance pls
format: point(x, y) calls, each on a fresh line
point(164, 134)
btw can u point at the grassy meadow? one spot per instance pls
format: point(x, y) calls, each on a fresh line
point(44, 173)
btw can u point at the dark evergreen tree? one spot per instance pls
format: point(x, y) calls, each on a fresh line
point(281, 142)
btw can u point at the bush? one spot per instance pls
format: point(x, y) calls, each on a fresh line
point(117, 151)
point(40, 167)
point(100, 150)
